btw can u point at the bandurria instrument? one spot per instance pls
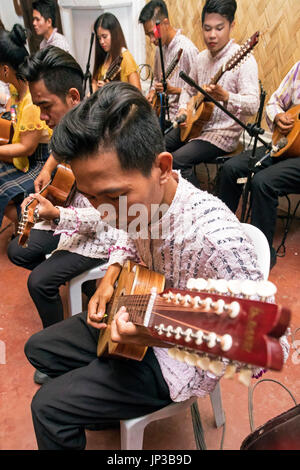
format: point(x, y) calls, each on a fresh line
point(113, 69)
point(156, 105)
point(207, 322)
point(292, 147)
point(199, 111)
point(56, 190)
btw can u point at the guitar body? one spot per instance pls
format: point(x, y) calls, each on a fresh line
point(134, 279)
point(292, 149)
point(57, 192)
point(198, 114)
point(6, 130)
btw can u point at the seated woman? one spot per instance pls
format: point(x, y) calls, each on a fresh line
point(110, 44)
point(23, 158)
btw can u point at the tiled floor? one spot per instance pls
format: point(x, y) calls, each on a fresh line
point(19, 319)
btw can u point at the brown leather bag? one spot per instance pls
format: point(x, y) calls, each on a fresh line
point(279, 433)
point(6, 128)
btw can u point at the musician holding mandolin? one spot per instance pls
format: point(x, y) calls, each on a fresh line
point(208, 132)
point(113, 61)
point(71, 230)
point(280, 173)
point(172, 42)
point(114, 145)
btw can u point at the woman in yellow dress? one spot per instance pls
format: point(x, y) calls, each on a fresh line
point(23, 158)
point(111, 43)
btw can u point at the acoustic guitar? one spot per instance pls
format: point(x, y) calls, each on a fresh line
point(200, 111)
point(292, 147)
point(6, 128)
point(155, 103)
point(206, 322)
point(56, 190)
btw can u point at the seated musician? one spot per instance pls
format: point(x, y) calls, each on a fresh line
point(238, 90)
point(111, 43)
point(276, 176)
point(75, 232)
point(116, 150)
point(23, 158)
point(172, 41)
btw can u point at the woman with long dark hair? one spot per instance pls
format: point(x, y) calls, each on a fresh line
point(23, 158)
point(110, 44)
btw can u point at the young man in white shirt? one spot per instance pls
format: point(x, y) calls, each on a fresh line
point(44, 18)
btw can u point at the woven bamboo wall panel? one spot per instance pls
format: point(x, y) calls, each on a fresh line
point(277, 20)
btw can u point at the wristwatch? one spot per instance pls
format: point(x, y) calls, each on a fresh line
point(56, 220)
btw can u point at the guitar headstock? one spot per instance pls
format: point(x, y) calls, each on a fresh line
point(242, 53)
point(217, 319)
point(114, 69)
point(28, 220)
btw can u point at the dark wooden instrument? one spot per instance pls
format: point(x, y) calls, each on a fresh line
point(199, 111)
point(113, 70)
point(155, 103)
point(292, 148)
point(57, 191)
point(204, 324)
point(6, 128)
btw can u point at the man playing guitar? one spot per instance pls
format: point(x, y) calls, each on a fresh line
point(172, 41)
point(237, 89)
point(275, 176)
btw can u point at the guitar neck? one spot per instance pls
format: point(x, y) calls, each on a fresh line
point(173, 64)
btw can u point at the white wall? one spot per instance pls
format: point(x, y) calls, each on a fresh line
point(78, 17)
point(8, 14)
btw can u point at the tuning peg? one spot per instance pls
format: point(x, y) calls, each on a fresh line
point(211, 340)
point(216, 367)
point(230, 371)
point(266, 289)
point(226, 342)
point(169, 296)
point(199, 284)
point(178, 299)
point(245, 377)
point(218, 306)
point(191, 359)
point(234, 286)
point(197, 302)
point(233, 309)
point(203, 362)
point(221, 286)
point(248, 288)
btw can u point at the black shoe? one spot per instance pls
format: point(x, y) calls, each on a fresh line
point(273, 258)
point(40, 378)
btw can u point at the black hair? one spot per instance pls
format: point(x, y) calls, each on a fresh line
point(155, 10)
point(226, 8)
point(47, 9)
point(57, 68)
point(111, 23)
point(12, 47)
point(116, 117)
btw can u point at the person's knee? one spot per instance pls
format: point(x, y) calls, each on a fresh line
point(32, 348)
point(14, 253)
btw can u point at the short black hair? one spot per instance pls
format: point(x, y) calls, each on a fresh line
point(155, 10)
point(226, 8)
point(12, 47)
point(116, 117)
point(57, 68)
point(47, 9)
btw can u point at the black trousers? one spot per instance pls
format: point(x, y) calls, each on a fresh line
point(187, 155)
point(274, 179)
point(48, 274)
point(84, 389)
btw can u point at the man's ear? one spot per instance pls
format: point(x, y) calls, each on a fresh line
point(164, 162)
point(73, 97)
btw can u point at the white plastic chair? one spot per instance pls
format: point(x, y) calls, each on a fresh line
point(132, 430)
point(75, 285)
point(261, 246)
